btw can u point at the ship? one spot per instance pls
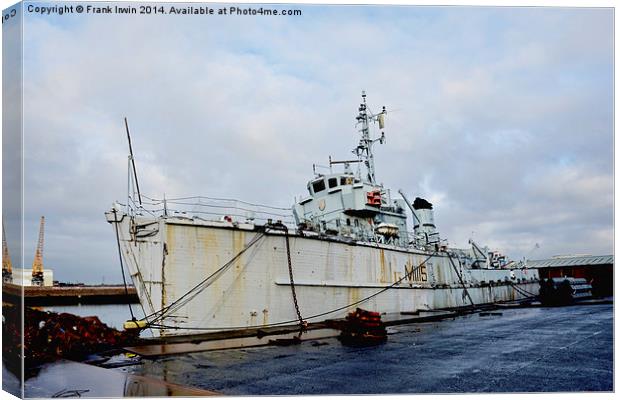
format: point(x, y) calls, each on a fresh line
point(205, 264)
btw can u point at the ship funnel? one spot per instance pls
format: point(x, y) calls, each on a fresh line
point(424, 227)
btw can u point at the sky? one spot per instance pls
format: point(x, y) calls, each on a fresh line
point(501, 117)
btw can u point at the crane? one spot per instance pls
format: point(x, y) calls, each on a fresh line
point(7, 266)
point(37, 264)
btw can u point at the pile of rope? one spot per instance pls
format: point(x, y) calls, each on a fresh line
point(363, 328)
point(299, 320)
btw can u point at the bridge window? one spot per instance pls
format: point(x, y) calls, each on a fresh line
point(318, 186)
point(346, 180)
point(332, 182)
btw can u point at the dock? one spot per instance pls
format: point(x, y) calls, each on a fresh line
point(515, 350)
point(65, 295)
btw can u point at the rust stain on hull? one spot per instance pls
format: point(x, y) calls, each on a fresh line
point(383, 276)
point(255, 288)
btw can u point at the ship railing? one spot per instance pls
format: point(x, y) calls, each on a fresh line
point(213, 209)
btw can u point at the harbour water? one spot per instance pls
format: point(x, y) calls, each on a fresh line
point(113, 315)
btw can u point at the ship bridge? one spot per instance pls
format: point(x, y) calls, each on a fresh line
point(352, 204)
point(341, 204)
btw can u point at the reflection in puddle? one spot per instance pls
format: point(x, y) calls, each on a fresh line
point(68, 379)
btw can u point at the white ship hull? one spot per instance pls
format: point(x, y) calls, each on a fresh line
point(167, 257)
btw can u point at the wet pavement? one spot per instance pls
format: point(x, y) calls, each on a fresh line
point(564, 349)
point(514, 350)
point(72, 379)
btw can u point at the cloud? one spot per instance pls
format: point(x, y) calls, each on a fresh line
point(502, 117)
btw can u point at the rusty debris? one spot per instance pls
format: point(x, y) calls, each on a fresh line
point(49, 336)
point(363, 328)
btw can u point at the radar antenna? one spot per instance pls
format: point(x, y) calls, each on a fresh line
point(364, 150)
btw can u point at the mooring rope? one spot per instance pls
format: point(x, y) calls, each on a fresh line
point(406, 276)
point(200, 287)
point(461, 280)
point(528, 295)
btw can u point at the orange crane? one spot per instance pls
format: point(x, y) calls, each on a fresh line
point(37, 264)
point(7, 266)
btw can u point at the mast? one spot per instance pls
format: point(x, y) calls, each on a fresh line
point(364, 149)
point(133, 163)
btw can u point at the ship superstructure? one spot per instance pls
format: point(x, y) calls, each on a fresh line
point(228, 265)
point(352, 204)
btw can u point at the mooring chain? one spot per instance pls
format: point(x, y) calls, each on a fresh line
point(302, 323)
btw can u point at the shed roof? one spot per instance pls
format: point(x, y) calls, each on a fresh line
point(571, 261)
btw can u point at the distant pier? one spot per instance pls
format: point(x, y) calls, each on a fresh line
point(64, 295)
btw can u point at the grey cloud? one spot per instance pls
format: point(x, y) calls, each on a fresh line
point(494, 115)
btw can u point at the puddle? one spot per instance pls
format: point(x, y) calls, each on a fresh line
point(72, 379)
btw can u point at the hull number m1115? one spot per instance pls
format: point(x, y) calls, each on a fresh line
point(415, 274)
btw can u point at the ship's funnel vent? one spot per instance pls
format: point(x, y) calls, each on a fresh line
point(424, 227)
point(421, 204)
